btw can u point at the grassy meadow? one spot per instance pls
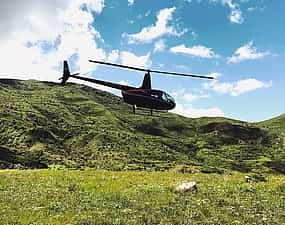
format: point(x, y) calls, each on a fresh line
point(137, 197)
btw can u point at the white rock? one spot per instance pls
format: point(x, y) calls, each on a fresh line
point(247, 179)
point(186, 186)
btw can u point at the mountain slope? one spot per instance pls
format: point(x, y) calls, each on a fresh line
point(43, 123)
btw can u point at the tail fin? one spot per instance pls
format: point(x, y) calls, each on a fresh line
point(66, 72)
point(146, 81)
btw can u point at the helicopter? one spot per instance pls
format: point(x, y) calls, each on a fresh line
point(139, 97)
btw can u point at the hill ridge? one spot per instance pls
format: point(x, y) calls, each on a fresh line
point(44, 123)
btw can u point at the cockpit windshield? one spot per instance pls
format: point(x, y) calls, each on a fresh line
point(161, 95)
point(168, 97)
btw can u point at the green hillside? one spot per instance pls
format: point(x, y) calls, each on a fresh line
point(44, 124)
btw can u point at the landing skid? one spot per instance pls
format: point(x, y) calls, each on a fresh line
point(147, 111)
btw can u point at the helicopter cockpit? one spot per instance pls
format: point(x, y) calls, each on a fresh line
point(167, 97)
point(161, 95)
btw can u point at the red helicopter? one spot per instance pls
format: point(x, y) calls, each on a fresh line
point(142, 97)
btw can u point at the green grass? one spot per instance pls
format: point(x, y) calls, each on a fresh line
point(43, 124)
point(104, 197)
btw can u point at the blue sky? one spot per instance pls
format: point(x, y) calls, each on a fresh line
point(240, 42)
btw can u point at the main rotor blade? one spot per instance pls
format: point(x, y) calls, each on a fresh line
point(181, 74)
point(151, 71)
point(119, 65)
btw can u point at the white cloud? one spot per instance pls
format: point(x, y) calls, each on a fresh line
point(94, 5)
point(180, 67)
point(246, 52)
point(159, 46)
point(194, 35)
point(219, 87)
point(130, 59)
point(237, 88)
point(131, 2)
point(256, 8)
point(42, 20)
point(22, 19)
point(160, 28)
point(190, 97)
point(252, 9)
point(196, 51)
point(189, 111)
point(235, 14)
point(214, 75)
point(186, 97)
point(113, 56)
point(21, 62)
point(184, 105)
point(247, 85)
point(36, 37)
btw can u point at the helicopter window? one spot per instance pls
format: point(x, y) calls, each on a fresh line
point(169, 97)
point(156, 95)
point(164, 97)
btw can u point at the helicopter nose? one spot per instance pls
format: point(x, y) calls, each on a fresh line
point(172, 105)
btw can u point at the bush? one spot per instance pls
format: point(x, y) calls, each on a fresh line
point(256, 177)
point(212, 169)
point(184, 169)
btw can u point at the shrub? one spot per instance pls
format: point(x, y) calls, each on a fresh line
point(212, 169)
point(256, 177)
